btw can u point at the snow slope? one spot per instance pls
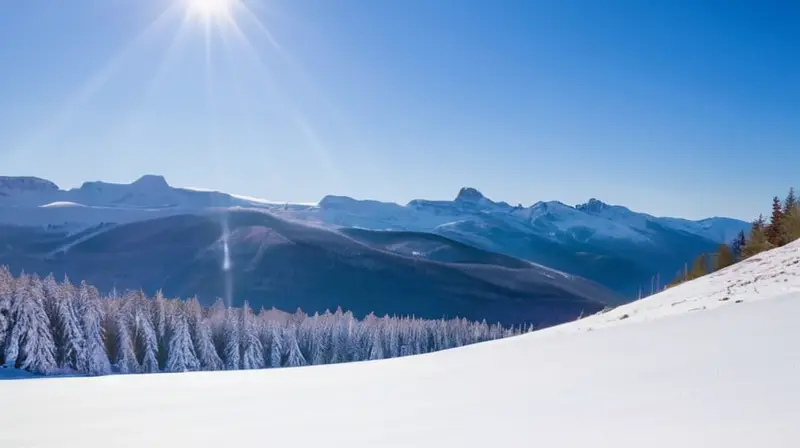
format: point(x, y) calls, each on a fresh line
point(726, 375)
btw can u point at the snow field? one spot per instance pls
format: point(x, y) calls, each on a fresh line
point(725, 377)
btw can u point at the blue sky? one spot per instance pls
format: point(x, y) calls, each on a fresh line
point(673, 107)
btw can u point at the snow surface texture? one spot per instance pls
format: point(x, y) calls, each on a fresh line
point(726, 377)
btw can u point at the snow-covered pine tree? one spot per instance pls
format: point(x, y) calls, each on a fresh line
point(217, 321)
point(358, 349)
point(181, 356)
point(305, 336)
point(376, 344)
point(294, 357)
point(231, 355)
point(144, 335)
point(147, 344)
point(276, 345)
point(252, 351)
point(158, 309)
point(30, 344)
point(64, 311)
point(200, 330)
point(390, 335)
point(340, 337)
point(96, 361)
point(6, 292)
point(125, 354)
point(321, 342)
point(420, 337)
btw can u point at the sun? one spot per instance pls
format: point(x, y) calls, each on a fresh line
point(208, 10)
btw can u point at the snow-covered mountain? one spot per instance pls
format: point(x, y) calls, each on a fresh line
point(593, 220)
point(287, 264)
point(149, 191)
point(706, 364)
point(609, 244)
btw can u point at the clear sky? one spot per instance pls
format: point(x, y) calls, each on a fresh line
point(673, 107)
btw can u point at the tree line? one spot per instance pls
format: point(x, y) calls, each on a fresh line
point(782, 228)
point(51, 327)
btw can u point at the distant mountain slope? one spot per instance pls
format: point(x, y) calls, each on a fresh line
point(274, 262)
point(612, 245)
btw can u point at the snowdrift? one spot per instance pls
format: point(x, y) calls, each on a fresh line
point(712, 363)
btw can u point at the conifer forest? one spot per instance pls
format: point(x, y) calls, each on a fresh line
point(55, 327)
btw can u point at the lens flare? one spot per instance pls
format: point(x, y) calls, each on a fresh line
point(209, 10)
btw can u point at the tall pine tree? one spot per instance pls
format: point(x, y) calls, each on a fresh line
point(773, 230)
point(30, 345)
point(790, 230)
point(6, 291)
point(738, 243)
point(181, 356)
point(757, 242)
point(790, 202)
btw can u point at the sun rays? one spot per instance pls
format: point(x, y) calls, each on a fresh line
point(208, 10)
point(235, 58)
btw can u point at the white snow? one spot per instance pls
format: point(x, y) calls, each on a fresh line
point(62, 204)
point(684, 369)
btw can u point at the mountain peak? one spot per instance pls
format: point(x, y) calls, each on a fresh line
point(26, 183)
point(469, 194)
point(594, 205)
point(151, 181)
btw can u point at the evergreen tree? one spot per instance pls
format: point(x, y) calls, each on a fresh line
point(96, 361)
point(724, 257)
point(760, 223)
point(376, 344)
point(231, 354)
point(341, 337)
point(738, 243)
point(217, 322)
point(30, 344)
point(64, 309)
point(181, 356)
point(252, 354)
point(6, 292)
point(790, 202)
point(276, 347)
point(203, 342)
point(790, 231)
point(320, 343)
point(773, 230)
point(125, 355)
point(294, 357)
point(158, 310)
point(758, 240)
point(146, 341)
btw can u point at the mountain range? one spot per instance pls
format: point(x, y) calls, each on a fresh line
point(612, 245)
point(252, 255)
